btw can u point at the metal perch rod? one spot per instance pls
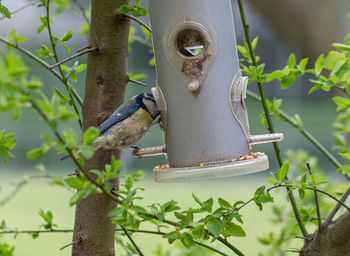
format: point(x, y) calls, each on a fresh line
point(150, 151)
point(265, 138)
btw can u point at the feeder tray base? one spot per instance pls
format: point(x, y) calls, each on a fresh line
point(215, 171)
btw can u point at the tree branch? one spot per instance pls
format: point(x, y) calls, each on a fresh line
point(304, 132)
point(21, 8)
point(151, 232)
point(269, 121)
point(18, 186)
point(132, 240)
point(137, 82)
point(137, 20)
point(339, 201)
point(53, 45)
point(316, 199)
point(45, 65)
point(82, 10)
point(337, 207)
point(85, 51)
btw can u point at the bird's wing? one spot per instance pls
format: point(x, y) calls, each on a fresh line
point(117, 117)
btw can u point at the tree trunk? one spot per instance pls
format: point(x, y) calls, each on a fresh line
point(331, 240)
point(104, 91)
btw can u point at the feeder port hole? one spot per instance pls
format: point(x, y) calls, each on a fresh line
point(190, 42)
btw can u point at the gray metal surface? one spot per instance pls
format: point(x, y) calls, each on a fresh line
point(200, 126)
point(223, 170)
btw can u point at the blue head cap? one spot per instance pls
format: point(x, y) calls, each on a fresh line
point(147, 102)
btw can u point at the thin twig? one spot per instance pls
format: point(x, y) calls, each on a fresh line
point(268, 119)
point(246, 203)
point(82, 10)
point(45, 65)
point(337, 207)
point(8, 232)
point(87, 50)
point(132, 241)
point(137, 82)
point(53, 45)
point(138, 21)
point(310, 188)
point(319, 221)
point(72, 243)
point(304, 132)
point(21, 8)
point(18, 186)
point(67, 245)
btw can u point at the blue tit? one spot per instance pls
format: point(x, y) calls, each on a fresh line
point(128, 124)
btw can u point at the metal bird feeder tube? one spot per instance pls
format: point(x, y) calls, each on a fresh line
point(201, 93)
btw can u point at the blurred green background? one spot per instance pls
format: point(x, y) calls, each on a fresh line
point(317, 112)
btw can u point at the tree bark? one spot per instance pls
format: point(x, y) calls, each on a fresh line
point(330, 240)
point(104, 91)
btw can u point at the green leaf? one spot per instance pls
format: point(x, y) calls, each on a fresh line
point(341, 47)
point(291, 60)
point(283, 171)
point(128, 183)
point(313, 178)
point(346, 156)
point(303, 64)
point(44, 51)
point(198, 231)
point(74, 182)
point(124, 9)
point(255, 42)
point(46, 216)
point(13, 37)
point(301, 193)
point(208, 205)
point(303, 178)
point(63, 97)
point(117, 211)
point(139, 11)
point(287, 81)
point(319, 64)
point(36, 153)
point(344, 169)
point(332, 59)
point(340, 140)
point(76, 198)
point(233, 229)
point(187, 240)
point(214, 226)
point(261, 197)
point(314, 88)
point(342, 102)
point(4, 11)
point(67, 115)
point(224, 203)
point(172, 236)
point(198, 200)
point(67, 36)
point(90, 135)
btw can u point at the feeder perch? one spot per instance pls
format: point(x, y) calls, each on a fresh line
point(201, 94)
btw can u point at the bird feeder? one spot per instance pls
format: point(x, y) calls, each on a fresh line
point(201, 93)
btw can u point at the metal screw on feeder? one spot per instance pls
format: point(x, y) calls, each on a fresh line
point(201, 93)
